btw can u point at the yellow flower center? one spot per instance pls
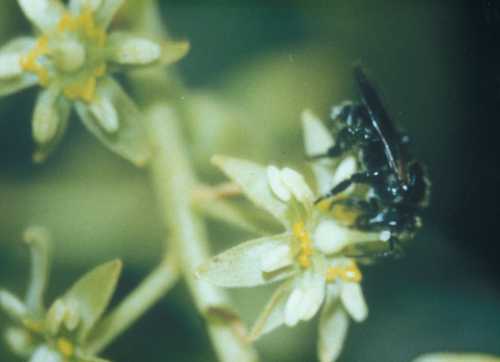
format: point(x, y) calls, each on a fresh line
point(342, 213)
point(75, 48)
point(306, 249)
point(65, 347)
point(348, 273)
point(33, 325)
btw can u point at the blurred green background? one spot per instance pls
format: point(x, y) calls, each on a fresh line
point(253, 67)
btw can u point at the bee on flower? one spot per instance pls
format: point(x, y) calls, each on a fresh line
point(308, 257)
point(72, 58)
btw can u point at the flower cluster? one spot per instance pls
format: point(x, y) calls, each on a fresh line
point(309, 256)
point(59, 333)
point(72, 59)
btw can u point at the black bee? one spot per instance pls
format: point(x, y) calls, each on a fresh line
point(398, 185)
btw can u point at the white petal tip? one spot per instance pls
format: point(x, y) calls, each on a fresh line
point(278, 188)
point(137, 51)
point(10, 65)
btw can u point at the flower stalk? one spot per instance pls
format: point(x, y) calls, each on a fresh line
point(151, 290)
point(174, 179)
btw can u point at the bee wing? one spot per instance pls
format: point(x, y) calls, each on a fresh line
point(381, 121)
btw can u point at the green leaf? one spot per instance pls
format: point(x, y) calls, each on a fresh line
point(86, 300)
point(273, 314)
point(333, 326)
point(457, 357)
point(129, 140)
point(241, 266)
point(253, 180)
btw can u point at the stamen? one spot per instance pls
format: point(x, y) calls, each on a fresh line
point(85, 25)
point(65, 347)
point(85, 91)
point(306, 249)
point(29, 62)
point(33, 326)
point(349, 273)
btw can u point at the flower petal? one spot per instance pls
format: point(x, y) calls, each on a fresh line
point(45, 354)
point(130, 140)
point(129, 49)
point(14, 308)
point(317, 138)
point(87, 299)
point(295, 182)
point(315, 295)
point(50, 120)
point(273, 315)
point(46, 116)
point(105, 113)
point(12, 77)
point(276, 259)
point(106, 11)
point(253, 180)
point(354, 301)
point(10, 65)
point(306, 298)
point(323, 171)
point(457, 357)
point(277, 185)
point(333, 326)
point(343, 171)
point(241, 266)
point(76, 6)
point(44, 14)
point(293, 307)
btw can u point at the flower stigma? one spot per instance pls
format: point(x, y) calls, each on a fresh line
point(71, 56)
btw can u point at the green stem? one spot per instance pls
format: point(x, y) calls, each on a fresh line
point(154, 287)
point(174, 181)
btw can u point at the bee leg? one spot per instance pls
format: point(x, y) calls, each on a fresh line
point(356, 203)
point(361, 177)
point(395, 248)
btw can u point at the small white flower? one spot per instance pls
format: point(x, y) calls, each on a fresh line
point(60, 333)
point(72, 59)
point(308, 255)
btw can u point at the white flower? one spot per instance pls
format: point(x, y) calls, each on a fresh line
point(72, 59)
point(308, 256)
point(61, 332)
